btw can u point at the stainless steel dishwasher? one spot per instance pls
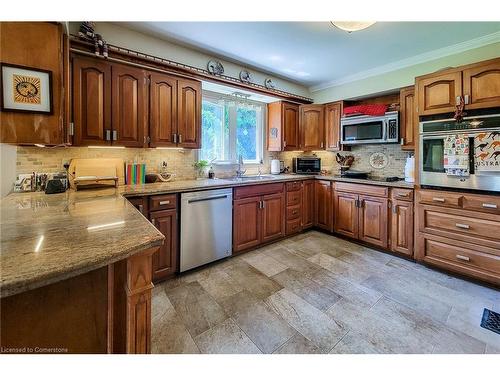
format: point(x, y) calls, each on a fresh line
point(206, 227)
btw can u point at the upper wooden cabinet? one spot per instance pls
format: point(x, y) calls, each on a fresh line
point(283, 126)
point(408, 118)
point(91, 102)
point(129, 106)
point(311, 127)
point(481, 85)
point(38, 45)
point(478, 84)
point(115, 104)
point(333, 113)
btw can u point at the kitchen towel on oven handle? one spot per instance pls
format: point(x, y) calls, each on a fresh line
point(456, 155)
point(487, 151)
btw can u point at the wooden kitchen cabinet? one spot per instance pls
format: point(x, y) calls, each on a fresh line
point(333, 113)
point(246, 223)
point(283, 126)
point(401, 227)
point(307, 204)
point(408, 118)
point(323, 204)
point(481, 84)
point(311, 127)
point(129, 101)
point(373, 220)
point(273, 220)
point(141, 204)
point(346, 214)
point(162, 110)
point(165, 259)
point(189, 113)
point(438, 92)
point(91, 102)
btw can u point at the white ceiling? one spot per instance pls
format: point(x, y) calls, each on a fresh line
point(316, 54)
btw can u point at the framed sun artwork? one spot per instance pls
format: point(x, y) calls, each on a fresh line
point(25, 89)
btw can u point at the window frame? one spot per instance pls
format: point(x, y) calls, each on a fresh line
point(214, 98)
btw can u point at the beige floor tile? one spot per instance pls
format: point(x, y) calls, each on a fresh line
point(249, 278)
point(196, 308)
point(297, 263)
point(338, 267)
point(265, 264)
point(219, 285)
point(347, 314)
point(491, 349)
point(238, 302)
point(226, 338)
point(264, 327)
point(355, 342)
point(298, 344)
point(311, 322)
point(310, 291)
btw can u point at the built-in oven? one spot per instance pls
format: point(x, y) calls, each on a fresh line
point(432, 135)
point(370, 129)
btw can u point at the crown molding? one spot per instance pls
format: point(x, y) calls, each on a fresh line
point(414, 60)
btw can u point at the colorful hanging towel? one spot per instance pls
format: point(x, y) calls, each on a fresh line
point(366, 109)
point(487, 152)
point(135, 174)
point(456, 155)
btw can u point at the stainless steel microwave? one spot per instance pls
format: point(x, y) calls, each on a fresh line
point(370, 129)
point(307, 165)
point(431, 153)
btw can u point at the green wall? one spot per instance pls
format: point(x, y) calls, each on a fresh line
point(403, 77)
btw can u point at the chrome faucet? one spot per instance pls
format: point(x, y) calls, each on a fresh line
point(239, 171)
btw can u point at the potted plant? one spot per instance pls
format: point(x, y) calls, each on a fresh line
point(201, 167)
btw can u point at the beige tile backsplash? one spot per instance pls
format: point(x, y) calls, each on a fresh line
point(181, 162)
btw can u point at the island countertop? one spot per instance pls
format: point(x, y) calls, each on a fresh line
point(49, 238)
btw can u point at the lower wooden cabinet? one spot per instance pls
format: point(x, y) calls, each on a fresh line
point(246, 223)
point(373, 220)
point(307, 204)
point(346, 214)
point(273, 207)
point(401, 227)
point(165, 259)
point(323, 204)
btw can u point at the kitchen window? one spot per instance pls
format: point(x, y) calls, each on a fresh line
point(231, 126)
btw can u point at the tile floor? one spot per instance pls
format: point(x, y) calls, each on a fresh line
point(315, 293)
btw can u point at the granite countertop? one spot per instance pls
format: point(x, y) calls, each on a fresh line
point(49, 238)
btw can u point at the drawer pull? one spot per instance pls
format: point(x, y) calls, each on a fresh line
point(489, 205)
point(463, 257)
point(436, 199)
point(162, 203)
point(463, 226)
point(403, 194)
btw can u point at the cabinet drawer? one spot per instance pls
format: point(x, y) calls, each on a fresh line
point(255, 190)
point(293, 226)
point(293, 186)
point(402, 194)
point(440, 199)
point(293, 198)
point(460, 224)
point(377, 191)
point(162, 202)
point(463, 258)
point(482, 204)
point(293, 212)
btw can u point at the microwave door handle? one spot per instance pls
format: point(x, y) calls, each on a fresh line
point(384, 129)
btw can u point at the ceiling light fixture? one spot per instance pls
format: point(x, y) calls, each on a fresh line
point(351, 26)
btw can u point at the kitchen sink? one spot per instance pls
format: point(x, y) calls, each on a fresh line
point(249, 178)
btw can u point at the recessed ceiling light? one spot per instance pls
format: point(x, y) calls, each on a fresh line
point(351, 26)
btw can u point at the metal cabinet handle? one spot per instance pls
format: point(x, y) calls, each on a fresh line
point(463, 226)
point(108, 135)
point(180, 138)
point(284, 143)
point(402, 141)
point(321, 145)
point(263, 204)
point(457, 100)
point(162, 203)
point(466, 99)
point(175, 137)
point(141, 208)
point(153, 221)
point(489, 205)
point(403, 195)
point(463, 257)
point(115, 135)
point(435, 199)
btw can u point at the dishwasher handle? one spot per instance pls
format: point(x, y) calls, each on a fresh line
point(207, 199)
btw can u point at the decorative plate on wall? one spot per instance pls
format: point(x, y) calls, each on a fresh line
point(215, 67)
point(379, 160)
point(269, 83)
point(245, 76)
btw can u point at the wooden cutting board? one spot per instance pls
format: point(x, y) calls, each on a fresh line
point(110, 167)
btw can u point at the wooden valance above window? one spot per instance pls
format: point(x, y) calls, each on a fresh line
point(127, 56)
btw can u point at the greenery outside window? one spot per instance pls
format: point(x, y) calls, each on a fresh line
point(231, 127)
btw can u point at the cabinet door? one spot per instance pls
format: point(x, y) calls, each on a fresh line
point(408, 118)
point(246, 223)
point(273, 217)
point(438, 94)
point(333, 112)
point(307, 204)
point(162, 110)
point(290, 118)
point(373, 220)
point(91, 102)
point(401, 229)
point(482, 85)
point(165, 260)
point(323, 204)
point(189, 113)
point(129, 104)
point(311, 127)
point(346, 214)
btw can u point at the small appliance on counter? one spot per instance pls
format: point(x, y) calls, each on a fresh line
point(410, 169)
point(307, 165)
point(57, 184)
point(355, 174)
point(275, 166)
point(95, 173)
